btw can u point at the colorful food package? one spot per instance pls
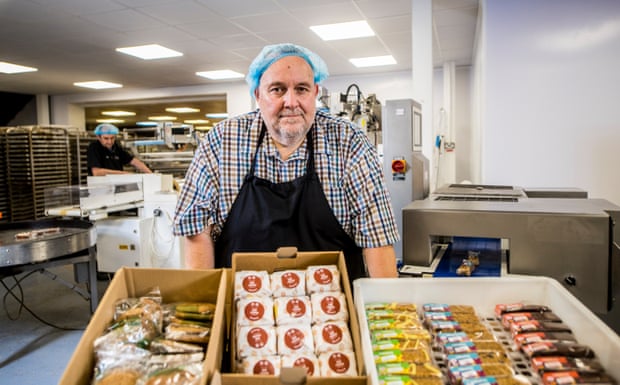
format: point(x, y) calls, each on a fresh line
point(294, 339)
point(337, 363)
point(292, 310)
point(329, 306)
point(288, 283)
point(252, 283)
point(255, 311)
point(307, 361)
point(257, 340)
point(261, 365)
point(322, 278)
point(332, 336)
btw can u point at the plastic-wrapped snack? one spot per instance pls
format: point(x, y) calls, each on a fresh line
point(332, 336)
point(164, 346)
point(459, 347)
point(159, 362)
point(322, 278)
point(477, 358)
point(537, 326)
point(337, 363)
point(196, 311)
point(431, 306)
point(118, 376)
point(288, 283)
point(307, 361)
point(127, 331)
point(458, 373)
point(448, 337)
point(549, 348)
point(510, 318)
point(375, 314)
point(289, 310)
point(488, 345)
point(407, 368)
point(401, 334)
point(414, 356)
point(188, 333)
point(478, 334)
point(490, 380)
point(401, 344)
point(572, 377)
point(294, 339)
point(394, 306)
point(147, 312)
point(252, 283)
point(519, 307)
point(390, 323)
point(329, 306)
point(256, 341)
point(255, 311)
point(561, 363)
point(261, 365)
point(528, 338)
point(181, 375)
point(439, 326)
point(407, 380)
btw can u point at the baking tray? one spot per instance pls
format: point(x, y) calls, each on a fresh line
point(483, 294)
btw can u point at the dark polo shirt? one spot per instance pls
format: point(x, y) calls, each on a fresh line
point(99, 156)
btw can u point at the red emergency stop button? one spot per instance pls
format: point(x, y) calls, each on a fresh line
point(399, 165)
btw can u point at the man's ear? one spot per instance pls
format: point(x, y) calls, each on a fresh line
point(256, 93)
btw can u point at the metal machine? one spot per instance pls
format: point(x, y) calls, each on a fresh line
point(559, 233)
point(364, 111)
point(132, 214)
point(406, 169)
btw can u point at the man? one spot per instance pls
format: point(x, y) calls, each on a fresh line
point(105, 157)
point(287, 175)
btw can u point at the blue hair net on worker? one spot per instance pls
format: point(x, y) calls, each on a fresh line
point(106, 129)
point(272, 53)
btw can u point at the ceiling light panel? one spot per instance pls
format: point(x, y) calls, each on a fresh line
point(149, 51)
point(118, 113)
point(163, 118)
point(10, 68)
point(220, 74)
point(341, 31)
point(97, 84)
point(373, 61)
point(182, 110)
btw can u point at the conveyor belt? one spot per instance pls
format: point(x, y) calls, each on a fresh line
point(489, 253)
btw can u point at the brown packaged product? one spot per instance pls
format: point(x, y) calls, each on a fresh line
point(458, 373)
point(519, 307)
point(573, 377)
point(175, 376)
point(188, 333)
point(119, 377)
point(510, 318)
point(548, 348)
point(337, 363)
point(528, 338)
point(395, 306)
point(560, 363)
point(538, 326)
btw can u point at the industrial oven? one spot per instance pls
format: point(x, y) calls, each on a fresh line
point(559, 233)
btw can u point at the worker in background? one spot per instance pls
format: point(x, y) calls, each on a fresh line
point(106, 157)
point(287, 175)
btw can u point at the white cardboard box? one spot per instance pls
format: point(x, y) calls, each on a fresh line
point(484, 293)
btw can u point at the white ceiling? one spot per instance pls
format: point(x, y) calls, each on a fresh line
point(75, 40)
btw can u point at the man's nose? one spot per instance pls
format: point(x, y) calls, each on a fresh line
point(290, 98)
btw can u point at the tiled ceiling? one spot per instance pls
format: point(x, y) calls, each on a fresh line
point(75, 40)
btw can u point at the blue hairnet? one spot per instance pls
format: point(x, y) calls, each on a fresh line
point(272, 53)
point(106, 129)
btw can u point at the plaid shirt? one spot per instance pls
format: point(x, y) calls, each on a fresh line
point(347, 165)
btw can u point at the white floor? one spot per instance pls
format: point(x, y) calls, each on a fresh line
point(36, 351)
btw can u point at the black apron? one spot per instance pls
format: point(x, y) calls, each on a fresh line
point(266, 216)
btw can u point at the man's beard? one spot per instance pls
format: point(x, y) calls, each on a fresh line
point(288, 136)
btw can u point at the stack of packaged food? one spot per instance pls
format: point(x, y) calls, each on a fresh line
point(549, 344)
point(153, 343)
point(293, 318)
point(401, 345)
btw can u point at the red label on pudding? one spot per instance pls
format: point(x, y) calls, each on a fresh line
point(264, 367)
point(339, 363)
point(254, 311)
point(296, 308)
point(290, 280)
point(332, 334)
point(303, 362)
point(330, 305)
point(294, 339)
point(257, 337)
point(252, 283)
point(323, 276)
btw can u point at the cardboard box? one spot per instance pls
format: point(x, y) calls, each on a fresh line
point(286, 259)
point(483, 294)
point(175, 285)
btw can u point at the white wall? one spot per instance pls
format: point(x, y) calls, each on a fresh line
point(551, 89)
